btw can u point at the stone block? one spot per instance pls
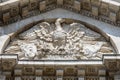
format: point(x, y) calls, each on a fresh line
point(6, 17)
point(25, 11)
point(104, 8)
point(28, 70)
point(18, 72)
point(86, 5)
point(7, 73)
point(59, 2)
point(117, 77)
point(68, 3)
point(24, 3)
point(39, 72)
point(114, 6)
point(50, 2)
point(5, 9)
point(102, 72)
point(95, 2)
point(42, 6)
point(38, 78)
point(14, 11)
point(8, 64)
point(33, 4)
point(5, 6)
point(81, 72)
point(49, 71)
point(102, 78)
point(95, 11)
point(59, 72)
point(110, 63)
point(59, 78)
point(81, 78)
point(70, 71)
point(77, 5)
point(118, 16)
point(24, 7)
point(113, 16)
point(18, 78)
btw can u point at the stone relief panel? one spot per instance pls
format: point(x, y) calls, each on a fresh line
point(28, 70)
point(112, 65)
point(49, 71)
point(8, 64)
point(59, 40)
point(70, 71)
point(91, 70)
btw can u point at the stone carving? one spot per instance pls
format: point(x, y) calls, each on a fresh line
point(7, 65)
point(90, 50)
point(30, 50)
point(59, 41)
point(59, 35)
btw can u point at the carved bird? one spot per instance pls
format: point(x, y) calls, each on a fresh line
point(91, 50)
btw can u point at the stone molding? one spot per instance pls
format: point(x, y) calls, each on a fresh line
point(28, 8)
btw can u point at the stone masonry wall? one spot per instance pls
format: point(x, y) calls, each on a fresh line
point(104, 10)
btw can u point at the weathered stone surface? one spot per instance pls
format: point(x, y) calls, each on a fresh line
point(104, 8)
point(33, 4)
point(114, 6)
point(42, 6)
point(24, 11)
point(86, 4)
point(50, 2)
point(59, 2)
point(68, 3)
point(6, 17)
point(14, 11)
point(77, 5)
point(24, 2)
point(8, 64)
point(1, 31)
point(113, 16)
point(4, 40)
point(95, 10)
point(30, 50)
point(95, 2)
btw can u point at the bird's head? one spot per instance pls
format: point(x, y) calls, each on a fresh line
point(60, 20)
